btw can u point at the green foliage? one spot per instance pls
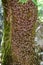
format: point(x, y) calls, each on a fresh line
point(35, 2)
point(39, 4)
point(23, 1)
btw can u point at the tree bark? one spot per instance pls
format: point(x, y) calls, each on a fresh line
point(22, 18)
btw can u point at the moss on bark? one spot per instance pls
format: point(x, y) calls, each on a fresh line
point(6, 46)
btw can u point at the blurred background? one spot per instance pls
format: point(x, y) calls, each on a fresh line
point(1, 27)
point(39, 30)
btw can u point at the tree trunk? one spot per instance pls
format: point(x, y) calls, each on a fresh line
point(20, 20)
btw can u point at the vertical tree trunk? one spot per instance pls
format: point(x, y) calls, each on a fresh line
point(20, 20)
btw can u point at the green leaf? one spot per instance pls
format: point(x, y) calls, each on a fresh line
point(23, 1)
point(35, 2)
